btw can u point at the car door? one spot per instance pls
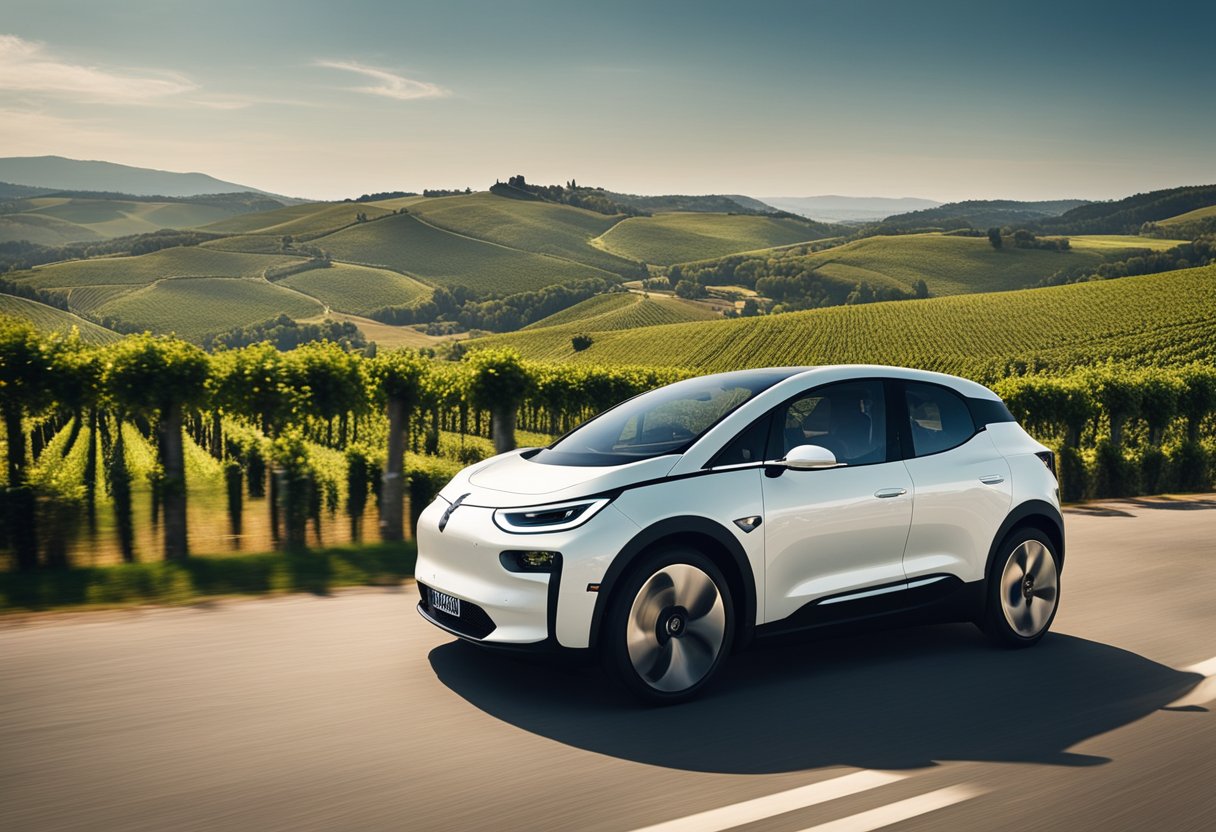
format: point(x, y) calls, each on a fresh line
point(832, 532)
point(962, 484)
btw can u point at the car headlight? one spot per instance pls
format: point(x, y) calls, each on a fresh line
point(553, 518)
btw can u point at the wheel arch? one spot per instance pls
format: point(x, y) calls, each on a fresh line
point(703, 534)
point(1032, 514)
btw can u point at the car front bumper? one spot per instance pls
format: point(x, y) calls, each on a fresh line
point(514, 609)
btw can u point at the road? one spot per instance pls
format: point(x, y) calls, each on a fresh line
point(350, 712)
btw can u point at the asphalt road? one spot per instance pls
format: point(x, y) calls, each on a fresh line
point(350, 712)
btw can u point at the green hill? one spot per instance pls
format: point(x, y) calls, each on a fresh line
point(356, 289)
point(58, 218)
point(312, 219)
point(978, 213)
point(194, 307)
point(50, 319)
point(948, 264)
point(539, 227)
point(665, 239)
point(404, 243)
point(183, 261)
point(625, 310)
point(1161, 319)
point(1126, 216)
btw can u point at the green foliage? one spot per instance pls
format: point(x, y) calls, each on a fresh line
point(148, 374)
point(286, 334)
point(622, 310)
point(398, 374)
point(499, 379)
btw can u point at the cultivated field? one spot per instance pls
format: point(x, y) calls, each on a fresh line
point(305, 221)
point(1162, 319)
point(404, 243)
point(56, 220)
point(540, 227)
point(194, 307)
point(625, 310)
point(186, 261)
point(356, 289)
point(50, 319)
point(680, 237)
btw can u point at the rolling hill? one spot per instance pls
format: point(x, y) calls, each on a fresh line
point(62, 218)
point(664, 239)
point(1159, 319)
point(1126, 216)
point(306, 221)
point(848, 209)
point(948, 264)
point(624, 310)
point(183, 261)
point(356, 289)
point(404, 243)
point(979, 213)
point(62, 174)
point(194, 307)
point(50, 319)
point(539, 227)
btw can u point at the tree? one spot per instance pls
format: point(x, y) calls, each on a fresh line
point(750, 308)
point(580, 342)
point(327, 381)
point(27, 365)
point(994, 238)
point(159, 377)
point(689, 289)
point(920, 289)
point(397, 377)
point(499, 383)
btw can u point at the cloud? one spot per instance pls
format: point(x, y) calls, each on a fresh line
point(27, 67)
point(388, 84)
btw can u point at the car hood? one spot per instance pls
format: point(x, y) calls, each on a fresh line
point(510, 480)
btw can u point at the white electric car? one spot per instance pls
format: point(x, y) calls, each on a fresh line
point(684, 522)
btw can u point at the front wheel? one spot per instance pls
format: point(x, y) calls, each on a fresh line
point(670, 626)
point(1023, 590)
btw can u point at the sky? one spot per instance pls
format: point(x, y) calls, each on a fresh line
point(942, 100)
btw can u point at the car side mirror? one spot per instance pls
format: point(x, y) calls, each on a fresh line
point(808, 458)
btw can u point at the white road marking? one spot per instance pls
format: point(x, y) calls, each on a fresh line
point(1202, 693)
point(760, 808)
point(900, 810)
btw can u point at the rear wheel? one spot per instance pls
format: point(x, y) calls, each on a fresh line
point(670, 626)
point(1023, 590)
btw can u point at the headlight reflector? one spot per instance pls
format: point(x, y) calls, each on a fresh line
point(553, 518)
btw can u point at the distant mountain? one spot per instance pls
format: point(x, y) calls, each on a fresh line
point(706, 203)
point(848, 209)
point(60, 174)
point(979, 213)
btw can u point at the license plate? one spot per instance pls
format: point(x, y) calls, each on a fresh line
point(445, 603)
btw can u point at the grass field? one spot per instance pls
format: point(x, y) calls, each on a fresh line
point(1160, 319)
point(539, 227)
point(405, 244)
point(50, 319)
point(356, 289)
point(1114, 243)
point(194, 307)
point(665, 239)
point(184, 261)
point(625, 310)
point(306, 221)
point(1191, 216)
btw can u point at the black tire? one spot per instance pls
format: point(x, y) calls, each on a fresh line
point(1023, 590)
point(693, 634)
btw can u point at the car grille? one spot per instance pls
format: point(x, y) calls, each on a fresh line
point(473, 622)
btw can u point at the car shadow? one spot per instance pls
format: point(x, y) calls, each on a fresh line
point(903, 699)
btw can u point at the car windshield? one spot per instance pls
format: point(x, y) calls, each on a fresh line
point(664, 421)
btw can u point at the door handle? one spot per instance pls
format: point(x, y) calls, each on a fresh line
point(992, 479)
point(884, 493)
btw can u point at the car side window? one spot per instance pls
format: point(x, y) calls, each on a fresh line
point(748, 446)
point(938, 418)
point(848, 418)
